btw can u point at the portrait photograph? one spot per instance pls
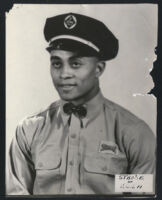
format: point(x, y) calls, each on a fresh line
point(80, 115)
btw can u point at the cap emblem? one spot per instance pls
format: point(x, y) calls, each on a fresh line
point(70, 21)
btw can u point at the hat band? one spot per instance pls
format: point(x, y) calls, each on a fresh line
point(90, 44)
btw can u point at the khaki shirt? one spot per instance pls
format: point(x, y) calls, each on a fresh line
point(47, 156)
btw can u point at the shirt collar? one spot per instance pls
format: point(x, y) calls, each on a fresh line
point(93, 106)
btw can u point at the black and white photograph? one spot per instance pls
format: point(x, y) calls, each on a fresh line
point(80, 118)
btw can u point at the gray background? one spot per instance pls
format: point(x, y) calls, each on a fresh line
point(126, 80)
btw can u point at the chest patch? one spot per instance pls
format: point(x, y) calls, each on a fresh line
point(108, 147)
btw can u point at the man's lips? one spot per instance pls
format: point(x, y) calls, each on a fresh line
point(67, 86)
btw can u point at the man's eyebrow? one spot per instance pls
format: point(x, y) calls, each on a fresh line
point(54, 57)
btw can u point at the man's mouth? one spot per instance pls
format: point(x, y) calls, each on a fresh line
point(67, 87)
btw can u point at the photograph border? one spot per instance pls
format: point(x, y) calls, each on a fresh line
point(156, 72)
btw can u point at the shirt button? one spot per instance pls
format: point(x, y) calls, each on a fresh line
point(58, 177)
point(71, 163)
point(40, 164)
point(73, 136)
point(104, 168)
point(69, 189)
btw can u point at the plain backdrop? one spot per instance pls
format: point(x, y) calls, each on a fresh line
point(126, 80)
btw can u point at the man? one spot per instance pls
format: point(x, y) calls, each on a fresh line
point(82, 141)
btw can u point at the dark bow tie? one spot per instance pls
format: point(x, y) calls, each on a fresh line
point(79, 111)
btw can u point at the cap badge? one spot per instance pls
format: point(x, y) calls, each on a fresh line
point(70, 21)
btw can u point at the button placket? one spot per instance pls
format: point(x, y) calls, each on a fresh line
point(74, 130)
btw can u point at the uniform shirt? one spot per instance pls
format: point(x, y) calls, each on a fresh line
point(47, 156)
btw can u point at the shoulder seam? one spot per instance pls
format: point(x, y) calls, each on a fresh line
point(113, 107)
point(52, 106)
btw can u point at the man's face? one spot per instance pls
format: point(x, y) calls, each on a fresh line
point(75, 78)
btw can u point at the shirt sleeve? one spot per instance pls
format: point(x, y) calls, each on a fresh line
point(20, 174)
point(141, 149)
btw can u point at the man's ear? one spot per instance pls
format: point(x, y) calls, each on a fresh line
point(100, 68)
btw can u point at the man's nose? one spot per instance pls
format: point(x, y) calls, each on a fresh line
point(66, 72)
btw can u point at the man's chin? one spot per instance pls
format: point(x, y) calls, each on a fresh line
point(68, 97)
point(73, 98)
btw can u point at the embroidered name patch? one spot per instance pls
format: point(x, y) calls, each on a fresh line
point(108, 147)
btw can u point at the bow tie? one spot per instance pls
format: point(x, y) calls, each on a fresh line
point(79, 111)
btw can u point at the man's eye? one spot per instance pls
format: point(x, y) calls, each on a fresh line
point(56, 65)
point(76, 64)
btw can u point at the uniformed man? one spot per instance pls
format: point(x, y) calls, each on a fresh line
point(79, 143)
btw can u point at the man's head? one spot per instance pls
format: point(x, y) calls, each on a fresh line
point(78, 47)
point(75, 77)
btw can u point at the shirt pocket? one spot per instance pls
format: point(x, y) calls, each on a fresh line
point(48, 162)
point(48, 158)
point(48, 174)
point(106, 164)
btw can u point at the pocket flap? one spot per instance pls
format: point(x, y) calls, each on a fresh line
point(49, 158)
point(108, 164)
